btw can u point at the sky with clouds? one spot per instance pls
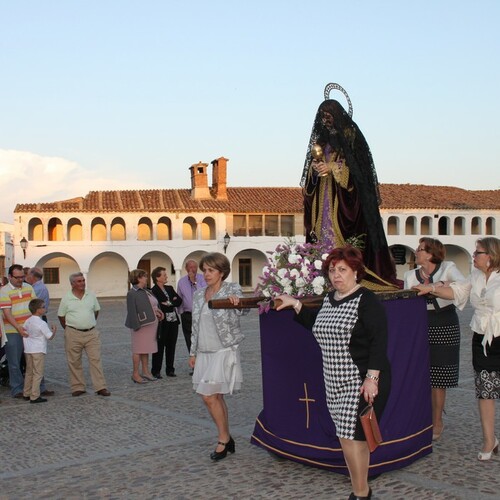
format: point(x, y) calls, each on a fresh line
point(125, 94)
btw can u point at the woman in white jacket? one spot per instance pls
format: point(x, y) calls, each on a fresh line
point(444, 327)
point(482, 287)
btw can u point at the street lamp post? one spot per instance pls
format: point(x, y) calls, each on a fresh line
point(24, 245)
point(227, 239)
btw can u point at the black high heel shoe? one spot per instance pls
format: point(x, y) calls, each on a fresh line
point(352, 496)
point(230, 447)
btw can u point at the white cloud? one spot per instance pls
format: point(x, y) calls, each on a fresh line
point(30, 178)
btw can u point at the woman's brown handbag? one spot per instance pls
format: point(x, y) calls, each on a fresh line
point(370, 427)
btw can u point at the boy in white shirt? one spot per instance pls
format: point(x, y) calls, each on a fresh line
point(35, 348)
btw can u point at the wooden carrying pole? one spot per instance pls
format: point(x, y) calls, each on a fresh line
point(253, 302)
point(245, 303)
point(314, 301)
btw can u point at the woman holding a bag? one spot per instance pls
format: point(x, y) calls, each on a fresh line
point(142, 319)
point(168, 329)
point(351, 330)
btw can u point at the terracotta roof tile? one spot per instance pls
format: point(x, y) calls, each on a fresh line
point(418, 196)
point(264, 200)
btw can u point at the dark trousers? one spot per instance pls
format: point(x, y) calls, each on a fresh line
point(187, 328)
point(167, 339)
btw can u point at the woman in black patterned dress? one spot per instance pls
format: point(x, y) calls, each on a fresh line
point(351, 330)
point(444, 327)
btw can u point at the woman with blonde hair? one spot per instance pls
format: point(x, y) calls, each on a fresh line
point(482, 288)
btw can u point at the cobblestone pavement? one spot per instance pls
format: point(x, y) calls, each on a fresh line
point(153, 440)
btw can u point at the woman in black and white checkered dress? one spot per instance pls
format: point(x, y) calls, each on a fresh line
point(351, 330)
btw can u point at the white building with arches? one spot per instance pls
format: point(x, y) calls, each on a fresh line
point(107, 233)
point(457, 217)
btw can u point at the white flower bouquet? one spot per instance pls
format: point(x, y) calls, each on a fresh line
point(294, 269)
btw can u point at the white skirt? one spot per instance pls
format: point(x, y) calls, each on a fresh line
point(217, 372)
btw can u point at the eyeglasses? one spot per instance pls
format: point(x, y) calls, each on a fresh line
point(478, 253)
point(17, 277)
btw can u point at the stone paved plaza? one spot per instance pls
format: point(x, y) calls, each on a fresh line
point(154, 440)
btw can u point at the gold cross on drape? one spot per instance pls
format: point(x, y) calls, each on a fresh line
point(307, 400)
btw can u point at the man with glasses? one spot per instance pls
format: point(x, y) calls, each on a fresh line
point(15, 297)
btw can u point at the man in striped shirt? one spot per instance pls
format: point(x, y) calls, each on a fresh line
point(14, 299)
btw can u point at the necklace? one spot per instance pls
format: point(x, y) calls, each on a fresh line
point(424, 274)
point(340, 296)
point(426, 277)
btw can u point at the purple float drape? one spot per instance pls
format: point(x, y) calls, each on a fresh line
point(295, 422)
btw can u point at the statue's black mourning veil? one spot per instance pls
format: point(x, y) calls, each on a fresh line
point(346, 138)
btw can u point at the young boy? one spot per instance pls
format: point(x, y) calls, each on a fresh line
point(35, 348)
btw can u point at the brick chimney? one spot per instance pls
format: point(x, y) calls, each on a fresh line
point(219, 178)
point(199, 181)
